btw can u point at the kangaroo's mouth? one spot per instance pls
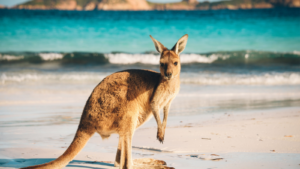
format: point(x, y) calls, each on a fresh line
point(170, 77)
point(167, 77)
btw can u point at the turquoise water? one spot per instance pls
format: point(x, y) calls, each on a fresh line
point(50, 61)
point(240, 47)
point(274, 30)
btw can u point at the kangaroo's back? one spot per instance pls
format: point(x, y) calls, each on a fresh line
point(127, 85)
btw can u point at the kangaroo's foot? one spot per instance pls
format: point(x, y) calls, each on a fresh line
point(151, 167)
point(148, 161)
point(116, 164)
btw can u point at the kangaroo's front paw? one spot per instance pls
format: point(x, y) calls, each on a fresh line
point(160, 135)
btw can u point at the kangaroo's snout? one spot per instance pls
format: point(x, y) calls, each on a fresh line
point(168, 75)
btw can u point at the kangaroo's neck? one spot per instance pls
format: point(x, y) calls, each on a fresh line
point(173, 84)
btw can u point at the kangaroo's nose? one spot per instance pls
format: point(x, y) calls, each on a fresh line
point(168, 74)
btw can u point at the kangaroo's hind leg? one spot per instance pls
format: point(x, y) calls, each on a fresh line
point(126, 158)
point(118, 154)
point(125, 141)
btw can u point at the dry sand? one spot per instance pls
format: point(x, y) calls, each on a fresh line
point(257, 139)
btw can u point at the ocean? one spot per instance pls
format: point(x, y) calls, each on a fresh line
point(273, 30)
point(50, 61)
point(240, 85)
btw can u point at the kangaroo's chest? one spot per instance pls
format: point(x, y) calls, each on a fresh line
point(166, 99)
point(166, 96)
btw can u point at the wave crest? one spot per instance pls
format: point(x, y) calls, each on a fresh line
point(220, 58)
point(51, 56)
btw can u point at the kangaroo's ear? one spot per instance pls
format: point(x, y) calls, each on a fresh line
point(180, 45)
point(159, 47)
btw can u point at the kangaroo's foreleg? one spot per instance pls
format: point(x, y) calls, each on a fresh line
point(160, 126)
point(155, 111)
point(164, 124)
point(160, 135)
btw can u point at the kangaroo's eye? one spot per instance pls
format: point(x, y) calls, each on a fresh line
point(175, 63)
point(162, 65)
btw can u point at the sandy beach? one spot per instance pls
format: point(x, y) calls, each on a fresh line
point(250, 139)
point(229, 127)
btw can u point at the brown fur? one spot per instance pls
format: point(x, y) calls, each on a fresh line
point(122, 102)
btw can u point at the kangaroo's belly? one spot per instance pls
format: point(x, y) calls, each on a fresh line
point(143, 118)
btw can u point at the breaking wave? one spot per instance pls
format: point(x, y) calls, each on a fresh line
point(150, 58)
point(202, 69)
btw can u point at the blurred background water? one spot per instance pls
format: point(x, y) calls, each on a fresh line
point(50, 61)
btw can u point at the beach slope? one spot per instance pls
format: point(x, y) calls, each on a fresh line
point(256, 139)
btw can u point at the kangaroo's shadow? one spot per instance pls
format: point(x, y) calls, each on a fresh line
point(21, 162)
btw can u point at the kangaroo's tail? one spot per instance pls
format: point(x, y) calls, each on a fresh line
point(78, 143)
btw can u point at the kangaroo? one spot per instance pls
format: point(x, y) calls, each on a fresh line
point(122, 102)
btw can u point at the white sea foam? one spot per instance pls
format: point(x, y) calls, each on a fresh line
point(10, 57)
point(152, 59)
point(196, 58)
point(124, 58)
point(296, 52)
point(77, 77)
point(241, 79)
point(203, 78)
point(51, 56)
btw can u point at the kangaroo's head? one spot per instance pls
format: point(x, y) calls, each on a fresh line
point(169, 59)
